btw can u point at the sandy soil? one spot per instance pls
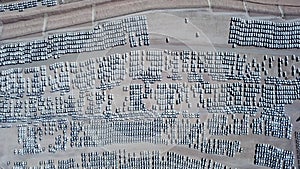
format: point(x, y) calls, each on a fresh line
point(30, 24)
point(170, 23)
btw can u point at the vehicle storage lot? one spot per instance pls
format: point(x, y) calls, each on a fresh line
point(213, 35)
point(213, 30)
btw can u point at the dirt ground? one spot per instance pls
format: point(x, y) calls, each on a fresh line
point(42, 19)
point(210, 20)
point(213, 32)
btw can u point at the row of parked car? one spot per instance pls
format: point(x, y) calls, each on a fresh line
point(21, 6)
point(270, 156)
point(145, 159)
point(259, 33)
point(109, 71)
point(103, 36)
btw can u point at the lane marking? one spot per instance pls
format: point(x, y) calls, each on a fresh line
point(45, 23)
point(281, 11)
point(245, 6)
